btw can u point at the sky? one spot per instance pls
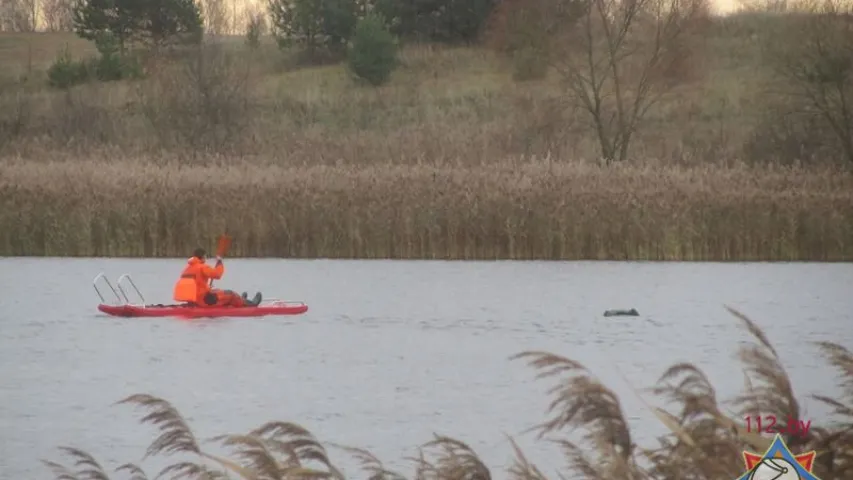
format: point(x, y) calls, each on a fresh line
point(721, 6)
point(724, 6)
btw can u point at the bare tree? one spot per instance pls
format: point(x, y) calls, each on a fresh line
point(234, 21)
point(812, 56)
point(58, 15)
point(18, 15)
point(215, 12)
point(618, 58)
point(5, 15)
point(32, 7)
point(205, 105)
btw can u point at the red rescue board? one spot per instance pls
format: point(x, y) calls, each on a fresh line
point(276, 308)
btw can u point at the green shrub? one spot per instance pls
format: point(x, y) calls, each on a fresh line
point(65, 72)
point(112, 65)
point(373, 54)
point(254, 28)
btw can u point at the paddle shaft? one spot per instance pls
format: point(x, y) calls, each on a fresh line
point(211, 280)
point(222, 247)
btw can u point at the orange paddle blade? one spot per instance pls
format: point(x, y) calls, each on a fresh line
point(223, 245)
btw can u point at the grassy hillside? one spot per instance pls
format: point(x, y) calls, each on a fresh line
point(452, 159)
point(464, 97)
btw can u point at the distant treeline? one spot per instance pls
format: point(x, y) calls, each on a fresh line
point(431, 20)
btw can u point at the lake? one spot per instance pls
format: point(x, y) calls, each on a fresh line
point(389, 351)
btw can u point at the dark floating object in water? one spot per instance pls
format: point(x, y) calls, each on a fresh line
point(622, 313)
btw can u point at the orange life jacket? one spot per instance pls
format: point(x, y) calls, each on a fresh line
point(193, 284)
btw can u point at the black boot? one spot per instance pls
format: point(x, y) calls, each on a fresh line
point(253, 302)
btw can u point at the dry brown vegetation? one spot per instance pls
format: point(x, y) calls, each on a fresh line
point(525, 209)
point(453, 159)
point(704, 442)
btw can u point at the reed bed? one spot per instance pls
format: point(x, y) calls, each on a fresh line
point(516, 209)
point(704, 443)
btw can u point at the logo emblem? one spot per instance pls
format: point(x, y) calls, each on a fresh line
point(778, 463)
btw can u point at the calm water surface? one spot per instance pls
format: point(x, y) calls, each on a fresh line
point(389, 352)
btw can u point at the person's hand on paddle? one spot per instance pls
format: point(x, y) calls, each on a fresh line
point(222, 247)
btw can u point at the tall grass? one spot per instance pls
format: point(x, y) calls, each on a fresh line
point(519, 209)
point(704, 443)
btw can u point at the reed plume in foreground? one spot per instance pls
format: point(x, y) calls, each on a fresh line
point(703, 444)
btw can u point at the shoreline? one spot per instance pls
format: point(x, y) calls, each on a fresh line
point(435, 260)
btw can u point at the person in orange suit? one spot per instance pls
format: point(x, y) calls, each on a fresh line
point(193, 286)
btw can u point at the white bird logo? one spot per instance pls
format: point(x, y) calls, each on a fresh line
point(774, 469)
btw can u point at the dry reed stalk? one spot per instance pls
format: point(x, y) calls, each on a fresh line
point(516, 208)
point(704, 444)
